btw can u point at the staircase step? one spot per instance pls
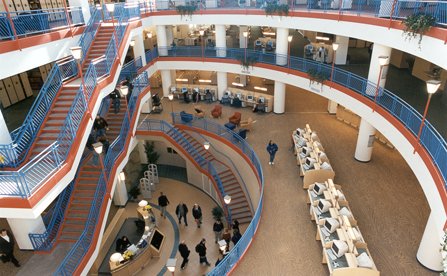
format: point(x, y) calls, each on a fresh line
point(77, 214)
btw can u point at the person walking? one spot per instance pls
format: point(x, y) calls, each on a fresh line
point(100, 126)
point(197, 214)
point(163, 202)
point(217, 228)
point(7, 247)
point(181, 210)
point(235, 225)
point(201, 250)
point(236, 236)
point(184, 252)
point(272, 148)
point(115, 96)
point(227, 237)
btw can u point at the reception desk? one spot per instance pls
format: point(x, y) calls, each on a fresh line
point(148, 246)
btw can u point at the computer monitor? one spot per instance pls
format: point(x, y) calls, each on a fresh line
point(310, 161)
point(331, 224)
point(184, 90)
point(261, 99)
point(239, 96)
point(250, 98)
point(319, 188)
point(195, 90)
point(173, 89)
point(323, 205)
point(339, 248)
point(306, 151)
point(300, 131)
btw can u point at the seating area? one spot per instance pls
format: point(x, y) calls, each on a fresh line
point(236, 118)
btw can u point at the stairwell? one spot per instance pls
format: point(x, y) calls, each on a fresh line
point(240, 208)
point(85, 186)
point(98, 47)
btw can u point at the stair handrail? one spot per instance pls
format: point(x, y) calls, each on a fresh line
point(79, 250)
point(89, 33)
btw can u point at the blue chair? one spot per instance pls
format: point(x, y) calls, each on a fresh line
point(243, 133)
point(186, 117)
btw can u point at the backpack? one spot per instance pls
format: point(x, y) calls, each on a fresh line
point(198, 248)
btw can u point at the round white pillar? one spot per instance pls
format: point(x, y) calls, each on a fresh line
point(5, 137)
point(221, 41)
point(428, 253)
point(20, 228)
point(282, 45)
point(120, 195)
point(365, 141)
point(162, 40)
point(279, 100)
point(166, 81)
point(222, 84)
point(374, 67)
point(342, 51)
point(138, 48)
point(85, 9)
point(332, 107)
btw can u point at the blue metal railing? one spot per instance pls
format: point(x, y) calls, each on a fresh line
point(28, 178)
point(433, 142)
point(38, 21)
point(130, 69)
point(116, 149)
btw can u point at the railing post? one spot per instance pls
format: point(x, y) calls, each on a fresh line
point(12, 24)
point(392, 13)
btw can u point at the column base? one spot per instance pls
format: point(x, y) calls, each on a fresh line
point(429, 269)
point(362, 160)
point(278, 113)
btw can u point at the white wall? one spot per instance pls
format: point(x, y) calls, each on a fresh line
point(17, 62)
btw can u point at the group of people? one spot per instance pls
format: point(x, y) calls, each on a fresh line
point(100, 126)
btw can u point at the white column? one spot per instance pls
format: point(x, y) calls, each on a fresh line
point(282, 45)
point(84, 6)
point(5, 137)
point(365, 141)
point(374, 67)
point(221, 40)
point(20, 228)
point(166, 81)
point(169, 34)
point(138, 49)
point(162, 40)
point(342, 51)
point(222, 84)
point(120, 196)
point(242, 40)
point(279, 100)
point(332, 107)
point(428, 253)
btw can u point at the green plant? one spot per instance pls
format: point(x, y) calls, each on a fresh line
point(278, 9)
point(184, 10)
point(217, 213)
point(134, 192)
point(317, 76)
point(418, 24)
point(246, 62)
point(151, 154)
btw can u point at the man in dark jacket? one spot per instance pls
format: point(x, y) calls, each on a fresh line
point(184, 252)
point(201, 249)
point(197, 214)
point(272, 148)
point(236, 236)
point(218, 228)
point(7, 247)
point(100, 126)
point(115, 96)
point(181, 211)
point(163, 202)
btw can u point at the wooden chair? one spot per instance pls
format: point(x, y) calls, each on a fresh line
point(247, 124)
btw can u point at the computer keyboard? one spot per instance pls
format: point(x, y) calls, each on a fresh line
point(307, 167)
point(325, 232)
point(313, 194)
point(302, 155)
point(331, 255)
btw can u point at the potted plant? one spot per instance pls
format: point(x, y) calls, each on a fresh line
point(217, 213)
point(317, 76)
point(184, 10)
point(418, 24)
point(278, 9)
point(134, 192)
point(151, 154)
point(247, 62)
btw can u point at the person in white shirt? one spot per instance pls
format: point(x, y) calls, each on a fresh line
point(7, 247)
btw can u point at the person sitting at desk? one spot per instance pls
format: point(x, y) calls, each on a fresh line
point(122, 244)
point(259, 106)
